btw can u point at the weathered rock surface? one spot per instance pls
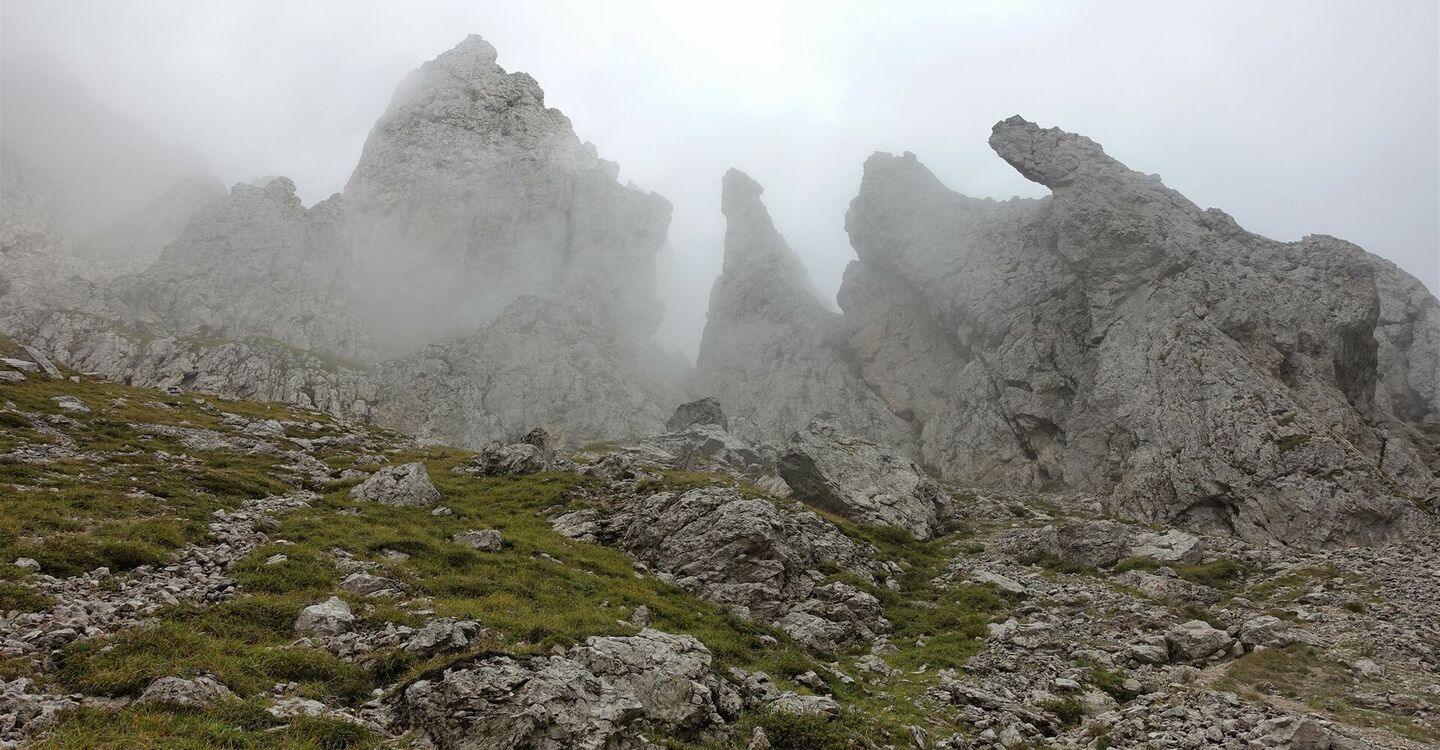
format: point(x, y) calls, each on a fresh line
point(1173, 546)
point(594, 697)
point(367, 584)
point(330, 617)
point(532, 454)
point(835, 616)
point(1086, 544)
point(485, 540)
point(1195, 640)
point(862, 481)
point(699, 447)
point(745, 553)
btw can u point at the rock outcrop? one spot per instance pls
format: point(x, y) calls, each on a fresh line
point(862, 481)
point(259, 263)
point(543, 362)
point(1113, 337)
point(747, 554)
point(596, 696)
point(700, 411)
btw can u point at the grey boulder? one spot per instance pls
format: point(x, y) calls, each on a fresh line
point(861, 480)
point(1196, 640)
point(193, 693)
point(529, 456)
point(330, 617)
point(485, 540)
point(405, 485)
point(1173, 546)
point(700, 411)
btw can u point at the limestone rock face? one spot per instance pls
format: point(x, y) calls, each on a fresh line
point(862, 481)
point(1407, 336)
point(472, 193)
point(771, 350)
point(258, 263)
point(39, 271)
point(836, 615)
point(253, 369)
point(1118, 338)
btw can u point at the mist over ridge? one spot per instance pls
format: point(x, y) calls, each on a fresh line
point(798, 98)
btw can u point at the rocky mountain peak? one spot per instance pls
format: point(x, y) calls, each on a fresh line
point(471, 192)
point(453, 106)
point(473, 50)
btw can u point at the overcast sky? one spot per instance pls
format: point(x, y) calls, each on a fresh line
point(1294, 117)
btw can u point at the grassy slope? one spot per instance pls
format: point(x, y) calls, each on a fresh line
point(129, 502)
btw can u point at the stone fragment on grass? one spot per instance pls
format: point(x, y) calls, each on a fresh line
point(366, 584)
point(70, 403)
point(44, 362)
point(176, 691)
point(330, 617)
point(485, 540)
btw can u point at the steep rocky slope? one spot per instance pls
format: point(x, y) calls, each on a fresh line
point(1115, 337)
point(179, 571)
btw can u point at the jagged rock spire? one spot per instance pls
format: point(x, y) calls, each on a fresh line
point(771, 347)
